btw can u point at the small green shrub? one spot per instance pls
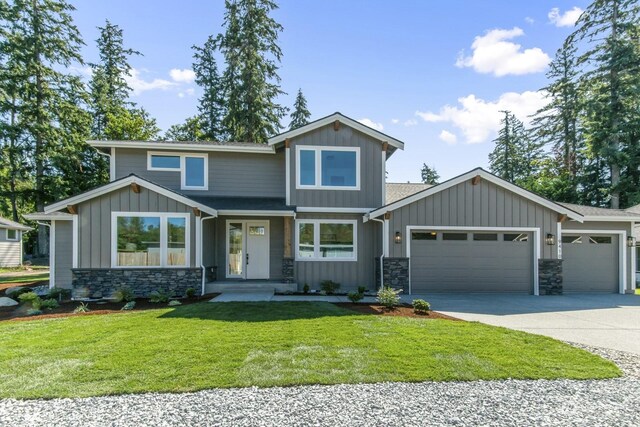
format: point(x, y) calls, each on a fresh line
point(354, 297)
point(82, 308)
point(158, 297)
point(33, 312)
point(420, 306)
point(129, 306)
point(305, 288)
point(388, 297)
point(174, 303)
point(28, 297)
point(329, 286)
point(58, 293)
point(124, 295)
point(362, 290)
point(190, 293)
point(15, 293)
point(49, 304)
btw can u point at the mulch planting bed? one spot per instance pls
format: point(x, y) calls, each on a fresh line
point(18, 313)
point(401, 311)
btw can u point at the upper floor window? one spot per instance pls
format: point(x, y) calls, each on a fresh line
point(336, 168)
point(193, 168)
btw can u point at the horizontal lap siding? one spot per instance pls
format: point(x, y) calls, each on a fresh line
point(371, 174)
point(10, 253)
point(63, 253)
point(94, 222)
point(230, 174)
point(350, 274)
point(468, 205)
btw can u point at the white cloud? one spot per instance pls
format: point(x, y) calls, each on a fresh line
point(529, 20)
point(448, 137)
point(395, 121)
point(566, 19)
point(495, 53)
point(139, 85)
point(190, 92)
point(410, 122)
point(371, 124)
point(182, 76)
point(479, 120)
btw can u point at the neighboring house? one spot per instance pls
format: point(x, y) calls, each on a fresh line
point(313, 205)
point(11, 242)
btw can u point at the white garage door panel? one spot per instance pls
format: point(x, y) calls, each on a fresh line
point(471, 266)
point(589, 266)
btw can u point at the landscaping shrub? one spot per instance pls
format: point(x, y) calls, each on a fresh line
point(174, 302)
point(15, 293)
point(28, 297)
point(129, 306)
point(82, 308)
point(190, 293)
point(388, 297)
point(355, 296)
point(49, 304)
point(420, 306)
point(58, 293)
point(158, 297)
point(362, 290)
point(305, 288)
point(124, 295)
point(33, 312)
point(329, 286)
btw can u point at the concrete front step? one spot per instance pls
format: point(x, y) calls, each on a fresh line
point(249, 287)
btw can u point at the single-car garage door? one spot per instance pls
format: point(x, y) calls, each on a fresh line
point(590, 262)
point(455, 261)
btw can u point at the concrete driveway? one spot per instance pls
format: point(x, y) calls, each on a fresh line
point(602, 320)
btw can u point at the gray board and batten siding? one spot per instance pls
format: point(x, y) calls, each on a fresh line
point(63, 254)
point(371, 173)
point(230, 173)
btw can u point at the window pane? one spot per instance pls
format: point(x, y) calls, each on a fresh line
point(165, 162)
point(307, 167)
point(424, 235)
point(176, 241)
point(305, 241)
point(485, 237)
point(257, 230)
point(339, 168)
point(12, 234)
point(571, 239)
point(600, 240)
point(516, 237)
point(336, 240)
point(236, 254)
point(138, 241)
point(454, 236)
point(194, 171)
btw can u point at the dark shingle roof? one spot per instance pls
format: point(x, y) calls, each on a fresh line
point(7, 223)
point(244, 203)
point(400, 190)
point(593, 211)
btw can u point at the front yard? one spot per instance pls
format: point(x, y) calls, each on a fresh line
point(206, 345)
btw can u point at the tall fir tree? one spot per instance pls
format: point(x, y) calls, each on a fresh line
point(190, 130)
point(301, 114)
point(211, 106)
point(250, 81)
point(429, 174)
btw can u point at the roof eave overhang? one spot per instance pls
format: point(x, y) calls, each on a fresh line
point(603, 218)
point(266, 149)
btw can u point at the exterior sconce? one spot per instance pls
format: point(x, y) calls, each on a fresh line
point(398, 237)
point(550, 239)
point(631, 241)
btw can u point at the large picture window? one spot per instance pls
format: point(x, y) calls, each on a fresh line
point(193, 168)
point(326, 240)
point(150, 240)
point(328, 168)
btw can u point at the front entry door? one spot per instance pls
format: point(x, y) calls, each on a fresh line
point(248, 249)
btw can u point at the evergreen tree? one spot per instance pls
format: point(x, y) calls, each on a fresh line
point(301, 114)
point(131, 124)
point(190, 130)
point(609, 30)
point(250, 81)
point(211, 104)
point(429, 175)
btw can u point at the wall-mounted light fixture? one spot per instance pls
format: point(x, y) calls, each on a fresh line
point(631, 241)
point(398, 237)
point(550, 239)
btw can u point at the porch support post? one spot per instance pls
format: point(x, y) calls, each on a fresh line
point(287, 236)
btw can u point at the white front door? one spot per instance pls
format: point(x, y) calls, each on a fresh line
point(248, 249)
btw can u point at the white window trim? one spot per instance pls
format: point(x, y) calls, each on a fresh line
point(316, 239)
point(183, 167)
point(318, 164)
point(16, 239)
point(163, 238)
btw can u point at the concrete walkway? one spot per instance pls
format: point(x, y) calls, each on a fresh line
point(269, 296)
point(601, 320)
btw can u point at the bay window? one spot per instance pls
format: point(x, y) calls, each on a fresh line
point(335, 168)
point(326, 240)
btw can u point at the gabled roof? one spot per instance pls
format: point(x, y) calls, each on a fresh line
point(121, 183)
point(229, 146)
point(467, 176)
point(373, 133)
point(12, 225)
point(399, 190)
point(592, 213)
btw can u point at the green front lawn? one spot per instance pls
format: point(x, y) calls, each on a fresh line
point(638, 291)
point(26, 278)
point(208, 345)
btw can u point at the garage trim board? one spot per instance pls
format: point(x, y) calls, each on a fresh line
point(534, 230)
point(622, 251)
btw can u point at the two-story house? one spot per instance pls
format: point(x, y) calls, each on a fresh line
point(312, 205)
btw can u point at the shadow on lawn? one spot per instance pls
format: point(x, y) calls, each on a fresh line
point(259, 311)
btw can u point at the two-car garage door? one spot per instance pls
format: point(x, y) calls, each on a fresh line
point(468, 261)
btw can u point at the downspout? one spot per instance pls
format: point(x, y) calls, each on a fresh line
point(202, 251)
point(384, 237)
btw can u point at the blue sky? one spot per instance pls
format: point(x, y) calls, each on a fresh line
point(433, 74)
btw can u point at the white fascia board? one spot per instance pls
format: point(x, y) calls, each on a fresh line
point(343, 119)
point(333, 210)
point(605, 218)
point(266, 149)
point(484, 175)
point(121, 183)
point(54, 216)
point(240, 212)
